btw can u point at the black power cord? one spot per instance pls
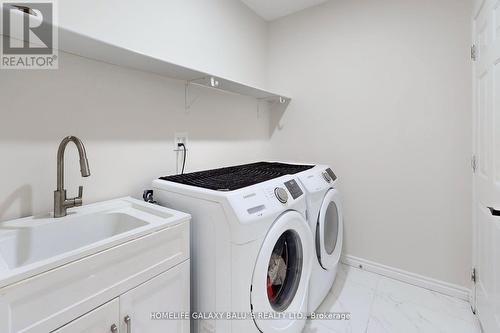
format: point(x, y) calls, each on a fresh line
point(180, 144)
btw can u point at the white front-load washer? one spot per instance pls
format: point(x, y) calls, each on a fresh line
point(325, 218)
point(251, 247)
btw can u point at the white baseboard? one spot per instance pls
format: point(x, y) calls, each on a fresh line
point(408, 277)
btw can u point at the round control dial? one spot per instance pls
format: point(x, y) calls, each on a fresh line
point(327, 177)
point(281, 194)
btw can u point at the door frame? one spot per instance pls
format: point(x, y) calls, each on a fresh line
point(478, 5)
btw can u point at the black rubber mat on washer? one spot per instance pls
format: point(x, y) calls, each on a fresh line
point(236, 177)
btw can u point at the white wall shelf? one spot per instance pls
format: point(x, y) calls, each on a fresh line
point(89, 47)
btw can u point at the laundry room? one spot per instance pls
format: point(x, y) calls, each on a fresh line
point(250, 166)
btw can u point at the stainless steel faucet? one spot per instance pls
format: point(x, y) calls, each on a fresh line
point(61, 203)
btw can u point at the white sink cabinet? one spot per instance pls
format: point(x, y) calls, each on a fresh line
point(135, 265)
point(132, 311)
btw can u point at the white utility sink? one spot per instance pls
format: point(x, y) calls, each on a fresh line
point(33, 245)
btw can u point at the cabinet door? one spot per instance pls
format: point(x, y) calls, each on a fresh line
point(142, 309)
point(100, 320)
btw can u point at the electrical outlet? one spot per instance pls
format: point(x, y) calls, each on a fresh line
point(180, 137)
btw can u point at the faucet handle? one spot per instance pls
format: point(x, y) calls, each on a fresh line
point(77, 202)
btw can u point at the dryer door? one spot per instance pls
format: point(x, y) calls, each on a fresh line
point(329, 230)
point(281, 276)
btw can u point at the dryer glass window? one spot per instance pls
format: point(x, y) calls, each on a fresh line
point(331, 227)
point(284, 270)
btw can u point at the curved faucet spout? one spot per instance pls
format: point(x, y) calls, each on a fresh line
point(84, 163)
point(61, 203)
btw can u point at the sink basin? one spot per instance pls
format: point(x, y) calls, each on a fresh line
point(26, 246)
point(32, 245)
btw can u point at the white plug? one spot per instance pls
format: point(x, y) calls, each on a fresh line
point(180, 137)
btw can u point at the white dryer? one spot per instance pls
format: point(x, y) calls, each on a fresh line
point(251, 247)
point(325, 217)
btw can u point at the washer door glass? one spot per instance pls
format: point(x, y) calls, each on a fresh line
point(329, 230)
point(331, 227)
point(280, 280)
point(284, 270)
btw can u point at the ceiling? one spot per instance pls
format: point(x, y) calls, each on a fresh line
point(274, 9)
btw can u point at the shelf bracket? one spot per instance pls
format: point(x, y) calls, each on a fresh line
point(207, 81)
point(273, 102)
point(277, 107)
point(188, 100)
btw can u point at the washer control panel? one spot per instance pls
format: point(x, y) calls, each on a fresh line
point(331, 174)
point(281, 194)
point(272, 199)
point(327, 177)
point(294, 188)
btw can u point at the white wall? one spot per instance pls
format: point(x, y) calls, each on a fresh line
point(127, 118)
point(382, 92)
point(221, 37)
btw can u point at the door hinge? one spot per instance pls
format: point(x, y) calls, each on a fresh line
point(473, 276)
point(473, 52)
point(473, 163)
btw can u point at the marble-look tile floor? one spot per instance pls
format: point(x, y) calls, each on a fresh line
point(381, 305)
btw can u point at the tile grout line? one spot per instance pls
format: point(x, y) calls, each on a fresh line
point(375, 293)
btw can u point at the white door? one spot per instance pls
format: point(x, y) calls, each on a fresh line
point(487, 165)
point(104, 319)
point(148, 307)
